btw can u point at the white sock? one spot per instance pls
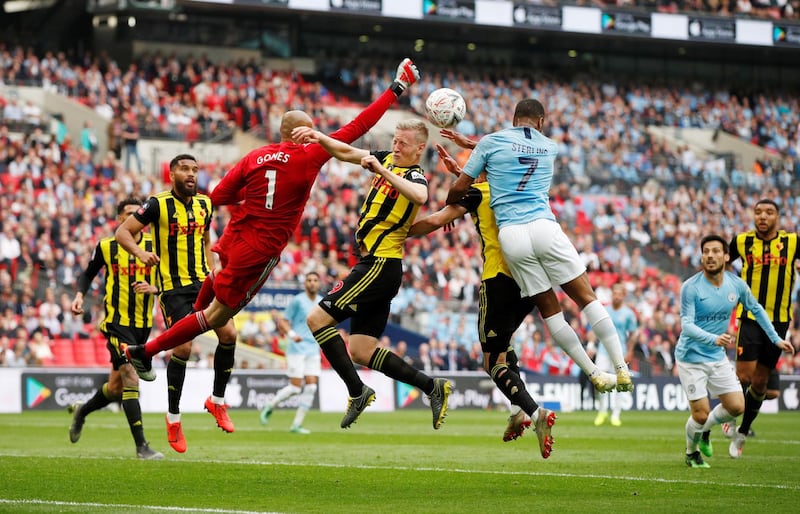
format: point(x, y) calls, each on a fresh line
point(217, 400)
point(567, 340)
point(286, 392)
point(304, 403)
point(604, 329)
point(174, 418)
point(514, 410)
point(694, 431)
point(717, 416)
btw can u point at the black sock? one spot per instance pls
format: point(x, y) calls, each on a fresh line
point(512, 386)
point(512, 361)
point(100, 399)
point(752, 404)
point(392, 366)
point(133, 411)
point(223, 367)
point(335, 351)
point(176, 374)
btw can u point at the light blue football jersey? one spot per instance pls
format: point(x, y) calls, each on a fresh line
point(706, 312)
point(296, 313)
point(624, 320)
point(519, 162)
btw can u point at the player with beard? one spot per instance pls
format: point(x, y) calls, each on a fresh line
point(180, 220)
point(707, 300)
point(769, 259)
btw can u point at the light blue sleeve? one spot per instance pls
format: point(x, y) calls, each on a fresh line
point(751, 304)
point(688, 325)
point(633, 324)
point(477, 159)
point(291, 312)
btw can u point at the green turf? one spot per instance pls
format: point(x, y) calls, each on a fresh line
point(392, 462)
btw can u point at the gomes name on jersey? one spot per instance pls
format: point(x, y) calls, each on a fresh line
point(277, 156)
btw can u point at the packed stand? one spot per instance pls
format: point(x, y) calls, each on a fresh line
point(633, 207)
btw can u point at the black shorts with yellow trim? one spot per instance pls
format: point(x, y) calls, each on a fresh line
point(754, 345)
point(118, 335)
point(501, 311)
point(178, 303)
point(365, 295)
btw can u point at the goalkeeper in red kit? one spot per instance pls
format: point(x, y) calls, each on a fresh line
point(273, 184)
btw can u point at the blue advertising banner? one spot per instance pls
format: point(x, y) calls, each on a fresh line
point(270, 298)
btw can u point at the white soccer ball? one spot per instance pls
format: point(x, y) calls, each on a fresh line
point(445, 107)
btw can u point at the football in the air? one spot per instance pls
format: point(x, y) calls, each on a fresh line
point(445, 107)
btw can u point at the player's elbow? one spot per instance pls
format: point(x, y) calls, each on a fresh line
point(419, 195)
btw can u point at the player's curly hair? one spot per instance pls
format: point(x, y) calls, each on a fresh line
point(126, 202)
point(177, 158)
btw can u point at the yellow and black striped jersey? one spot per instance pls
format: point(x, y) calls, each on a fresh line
point(768, 267)
point(476, 201)
point(123, 306)
point(178, 232)
point(386, 215)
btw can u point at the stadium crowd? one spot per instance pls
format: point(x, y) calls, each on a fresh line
point(635, 207)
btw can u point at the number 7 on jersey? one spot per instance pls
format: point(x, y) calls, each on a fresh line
point(534, 163)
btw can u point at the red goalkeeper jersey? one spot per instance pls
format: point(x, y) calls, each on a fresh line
point(275, 182)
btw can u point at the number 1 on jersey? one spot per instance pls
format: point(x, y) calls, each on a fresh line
point(270, 175)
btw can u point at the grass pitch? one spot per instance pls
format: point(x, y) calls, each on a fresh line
point(394, 463)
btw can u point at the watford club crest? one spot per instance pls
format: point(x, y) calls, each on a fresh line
point(202, 213)
point(778, 246)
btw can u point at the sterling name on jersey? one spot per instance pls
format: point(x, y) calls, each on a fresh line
point(476, 202)
point(386, 215)
point(519, 162)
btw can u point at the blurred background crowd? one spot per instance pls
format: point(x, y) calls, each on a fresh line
point(634, 205)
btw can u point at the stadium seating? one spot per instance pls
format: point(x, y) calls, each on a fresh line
point(63, 352)
point(661, 195)
point(85, 356)
point(100, 350)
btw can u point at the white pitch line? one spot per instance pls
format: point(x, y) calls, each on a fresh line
point(785, 487)
point(115, 506)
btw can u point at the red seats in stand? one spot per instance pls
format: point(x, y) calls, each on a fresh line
point(63, 353)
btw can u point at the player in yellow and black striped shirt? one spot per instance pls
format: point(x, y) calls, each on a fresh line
point(502, 309)
point(390, 206)
point(181, 219)
point(769, 258)
point(128, 302)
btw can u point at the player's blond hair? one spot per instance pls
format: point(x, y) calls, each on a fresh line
point(415, 125)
